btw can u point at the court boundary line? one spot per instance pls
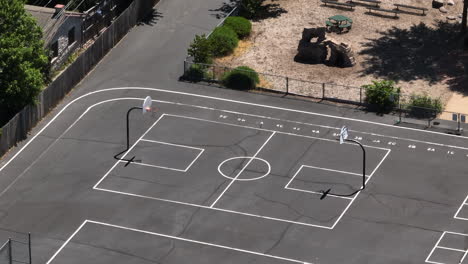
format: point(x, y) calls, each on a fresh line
point(459, 210)
point(227, 100)
point(28, 142)
point(95, 187)
point(447, 248)
point(198, 242)
point(170, 144)
point(315, 192)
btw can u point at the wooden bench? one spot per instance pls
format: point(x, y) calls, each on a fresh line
point(384, 10)
point(377, 3)
point(412, 7)
point(338, 3)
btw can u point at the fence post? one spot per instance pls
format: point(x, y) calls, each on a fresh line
point(360, 95)
point(323, 91)
point(10, 257)
point(287, 85)
point(213, 76)
point(185, 67)
point(29, 245)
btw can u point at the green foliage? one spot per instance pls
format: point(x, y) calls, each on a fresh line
point(249, 8)
point(223, 41)
point(195, 73)
point(383, 95)
point(424, 106)
point(24, 65)
point(241, 78)
point(200, 49)
point(74, 5)
point(240, 25)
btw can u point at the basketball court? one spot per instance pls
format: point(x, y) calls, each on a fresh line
point(215, 180)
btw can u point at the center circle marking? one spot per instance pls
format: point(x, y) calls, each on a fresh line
point(251, 179)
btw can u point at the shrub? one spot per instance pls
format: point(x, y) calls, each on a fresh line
point(383, 95)
point(240, 25)
point(241, 78)
point(195, 73)
point(223, 41)
point(200, 49)
point(424, 106)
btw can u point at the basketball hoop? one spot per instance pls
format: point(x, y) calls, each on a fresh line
point(147, 104)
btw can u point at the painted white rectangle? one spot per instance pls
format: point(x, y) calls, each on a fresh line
point(197, 242)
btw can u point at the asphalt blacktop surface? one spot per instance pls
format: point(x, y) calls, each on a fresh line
point(221, 176)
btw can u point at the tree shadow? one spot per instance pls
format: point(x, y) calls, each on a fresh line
point(266, 11)
point(151, 19)
point(420, 52)
point(224, 9)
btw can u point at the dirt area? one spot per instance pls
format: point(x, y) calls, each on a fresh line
point(421, 53)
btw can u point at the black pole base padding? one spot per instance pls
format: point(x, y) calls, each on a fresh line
point(324, 194)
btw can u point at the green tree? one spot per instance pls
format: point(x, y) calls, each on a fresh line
point(81, 5)
point(200, 49)
point(24, 65)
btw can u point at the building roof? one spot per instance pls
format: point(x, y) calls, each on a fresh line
point(44, 15)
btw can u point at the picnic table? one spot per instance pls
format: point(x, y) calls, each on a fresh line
point(339, 23)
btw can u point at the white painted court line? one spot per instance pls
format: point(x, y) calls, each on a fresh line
point(170, 144)
point(272, 131)
point(237, 212)
point(66, 242)
point(465, 251)
point(54, 142)
point(367, 180)
point(242, 170)
point(220, 99)
point(319, 168)
point(212, 208)
point(95, 187)
point(128, 151)
point(246, 157)
point(459, 209)
point(174, 238)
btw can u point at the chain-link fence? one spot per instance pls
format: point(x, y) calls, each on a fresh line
point(16, 251)
point(407, 114)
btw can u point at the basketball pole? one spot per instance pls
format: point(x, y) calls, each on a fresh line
point(325, 193)
point(128, 134)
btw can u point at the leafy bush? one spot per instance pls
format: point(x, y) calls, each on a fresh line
point(241, 78)
point(195, 73)
point(223, 41)
point(424, 106)
point(200, 49)
point(382, 95)
point(240, 25)
point(249, 8)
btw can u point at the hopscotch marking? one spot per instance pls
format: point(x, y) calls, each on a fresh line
point(238, 212)
point(459, 210)
point(465, 251)
point(198, 242)
point(168, 168)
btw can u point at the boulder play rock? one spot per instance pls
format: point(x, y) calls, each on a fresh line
point(437, 3)
point(315, 48)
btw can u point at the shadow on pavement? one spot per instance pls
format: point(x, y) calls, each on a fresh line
point(151, 19)
point(433, 54)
